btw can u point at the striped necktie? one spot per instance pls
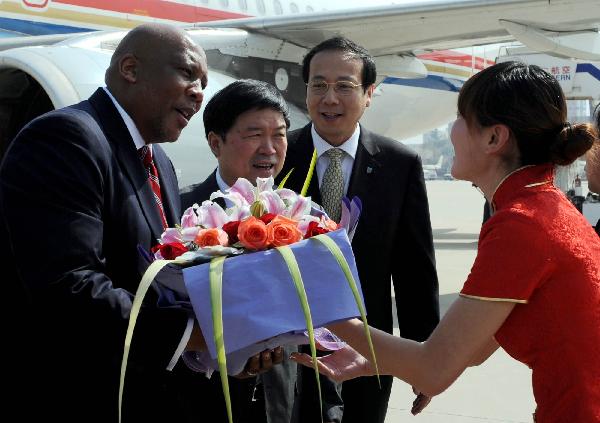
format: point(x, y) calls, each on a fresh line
point(148, 161)
point(332, 186)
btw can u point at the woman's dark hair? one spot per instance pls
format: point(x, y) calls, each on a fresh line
point(531, 103)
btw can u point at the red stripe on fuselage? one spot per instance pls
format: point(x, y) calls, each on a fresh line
point(156, 9)
point(457, 58)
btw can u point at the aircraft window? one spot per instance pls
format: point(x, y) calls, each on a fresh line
point(294, 8)
point(309, 9)
point(277, 7)
point(225, 3)
point(261, 6)
point(243, 5)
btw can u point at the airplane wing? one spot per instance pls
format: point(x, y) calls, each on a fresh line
point(436, 25)
point(37, 40)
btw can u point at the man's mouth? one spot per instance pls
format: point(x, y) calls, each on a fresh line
point(330, 115)
point(264, 166)
point(186, 112)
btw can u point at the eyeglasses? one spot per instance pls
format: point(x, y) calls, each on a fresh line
point(340, 87)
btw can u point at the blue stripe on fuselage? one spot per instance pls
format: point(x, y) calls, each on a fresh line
point(436, 82)
point(22, 27)
point(432, 82)
point(588, 68)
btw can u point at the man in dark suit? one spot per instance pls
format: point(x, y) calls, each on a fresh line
point(76, 201)
point(245, 125)
point(393, 239)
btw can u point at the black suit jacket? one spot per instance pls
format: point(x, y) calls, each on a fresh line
point(198, 193)
point(393, 239)
point(75, 177)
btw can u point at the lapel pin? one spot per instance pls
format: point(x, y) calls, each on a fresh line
point(369, 170)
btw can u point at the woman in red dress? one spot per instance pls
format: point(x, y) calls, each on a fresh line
point(534, 288)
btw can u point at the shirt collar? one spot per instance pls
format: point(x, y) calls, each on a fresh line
point(221, 182)
point(349, 146)
point(133, 131)
point(525, 177)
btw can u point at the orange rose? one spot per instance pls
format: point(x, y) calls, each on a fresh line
point(328, 224)
point(210, 237)
point(284, 231)
point(253, 234)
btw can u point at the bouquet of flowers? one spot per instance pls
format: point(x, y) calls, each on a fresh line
point(259, 218)
point(290, 239)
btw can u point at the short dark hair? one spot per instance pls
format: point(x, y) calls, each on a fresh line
point(238, 97)
point(353, 50)
point(530, 102)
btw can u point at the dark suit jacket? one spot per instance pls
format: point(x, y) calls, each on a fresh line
point(198, 193)
point(74, 206)
point(393, 239)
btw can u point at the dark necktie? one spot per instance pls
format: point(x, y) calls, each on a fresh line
point(148, 161)
point(332, 186)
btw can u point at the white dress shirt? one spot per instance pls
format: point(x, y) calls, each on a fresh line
point(349, 148)
point(133, 131)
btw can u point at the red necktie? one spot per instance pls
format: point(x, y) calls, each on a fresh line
point(146, 156)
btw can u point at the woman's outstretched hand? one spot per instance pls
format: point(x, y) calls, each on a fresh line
point(343, 364)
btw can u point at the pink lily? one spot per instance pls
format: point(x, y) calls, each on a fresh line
point(272, 202)
point(190, 218)
point(212, 215)
point(170, 235)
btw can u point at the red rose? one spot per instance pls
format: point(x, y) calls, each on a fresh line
point(170, 250)
point(314, 229)
point(231, 228)
point(267, 217)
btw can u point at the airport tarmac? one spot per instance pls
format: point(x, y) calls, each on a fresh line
point(500, 389)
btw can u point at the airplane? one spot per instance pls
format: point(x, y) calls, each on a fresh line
point(55, 61)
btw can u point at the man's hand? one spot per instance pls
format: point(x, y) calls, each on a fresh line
point(341, 365)
point(261, 362)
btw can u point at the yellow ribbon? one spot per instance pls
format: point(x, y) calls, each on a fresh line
point(145, 283)
point(215, 277)
point(309, 175)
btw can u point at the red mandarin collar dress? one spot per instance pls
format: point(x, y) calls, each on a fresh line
point(538, 251)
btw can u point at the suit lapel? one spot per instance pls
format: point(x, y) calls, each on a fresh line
point(118, 135)
point(365, 166)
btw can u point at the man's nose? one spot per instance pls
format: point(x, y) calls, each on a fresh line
point(267, 146)
point(330, 97)
point(196, 92)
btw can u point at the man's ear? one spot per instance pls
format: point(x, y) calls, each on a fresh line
point(500, 138)
point(214, 142)
point(128, 67)
point(369, 94)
